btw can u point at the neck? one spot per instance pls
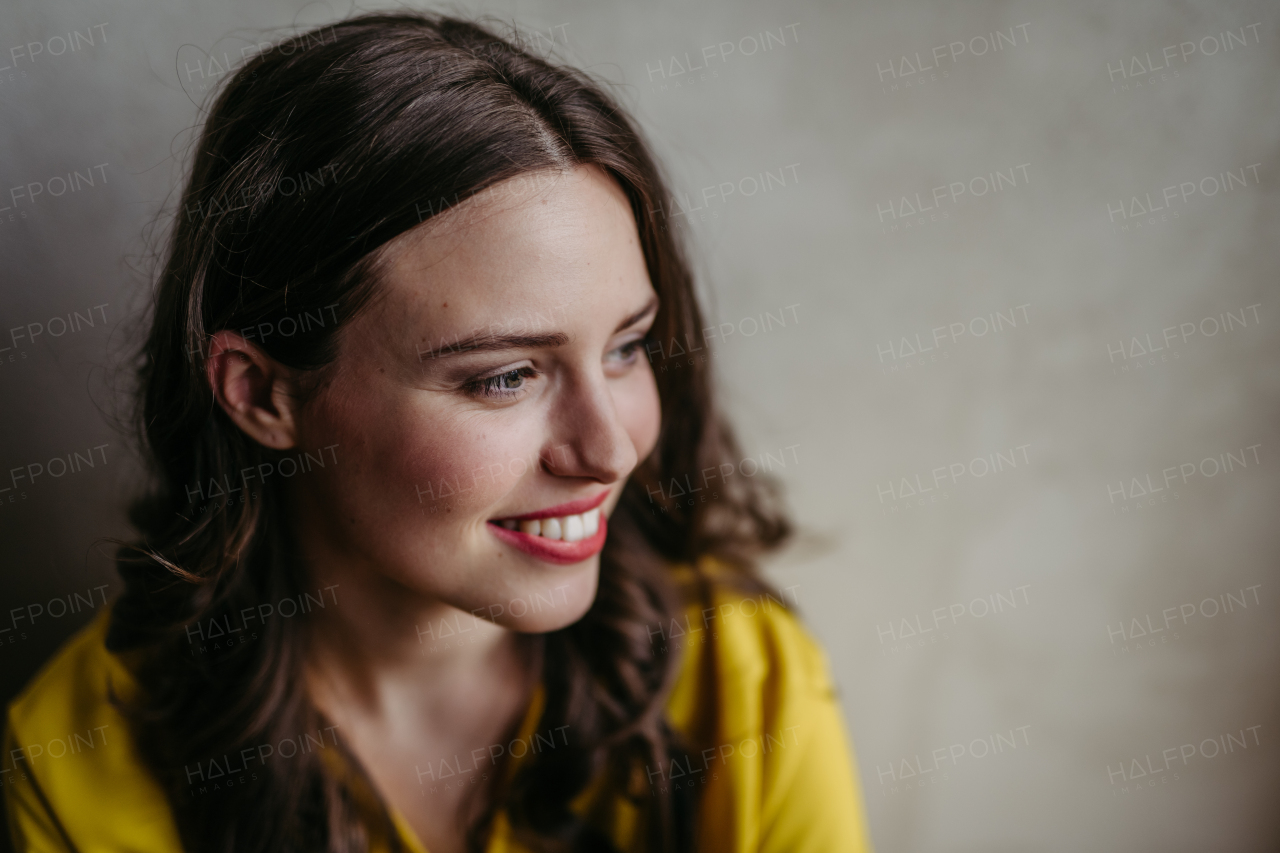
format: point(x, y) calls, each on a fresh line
point(384, 645)
point(381, 624)
point(382, 650)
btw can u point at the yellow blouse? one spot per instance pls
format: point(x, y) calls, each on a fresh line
point(754, 685)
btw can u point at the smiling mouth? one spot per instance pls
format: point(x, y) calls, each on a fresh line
point(569, 522)
point(567, 528)
point(567, 533)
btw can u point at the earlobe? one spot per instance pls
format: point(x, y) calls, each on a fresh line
point(256, 391)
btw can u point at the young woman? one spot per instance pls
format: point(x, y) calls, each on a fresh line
point(445, 552)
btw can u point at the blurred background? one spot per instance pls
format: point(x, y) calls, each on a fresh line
point(995, 294)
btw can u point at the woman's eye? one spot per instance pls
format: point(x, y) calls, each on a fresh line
point(627, 352)
point(502, 385)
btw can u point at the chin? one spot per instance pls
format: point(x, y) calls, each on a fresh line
point(554, 603)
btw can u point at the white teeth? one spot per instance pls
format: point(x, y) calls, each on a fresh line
point(569, 528)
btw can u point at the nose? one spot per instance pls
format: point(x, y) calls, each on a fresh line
point(587, 437)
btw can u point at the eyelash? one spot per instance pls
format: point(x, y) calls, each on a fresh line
point(489, 386)
point(631, 346)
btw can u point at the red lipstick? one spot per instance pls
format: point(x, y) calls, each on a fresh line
point(555, 550)
point(571, 508)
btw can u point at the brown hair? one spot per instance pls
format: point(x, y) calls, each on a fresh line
point(379, 122)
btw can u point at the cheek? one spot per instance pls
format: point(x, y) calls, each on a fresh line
point(411, 470)
point(445, 471)
point(640, 411)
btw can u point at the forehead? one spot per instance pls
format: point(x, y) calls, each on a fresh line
point(534, 243)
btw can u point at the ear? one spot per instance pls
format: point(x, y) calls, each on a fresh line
point(257, 392)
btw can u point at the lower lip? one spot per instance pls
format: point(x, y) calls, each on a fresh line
point(553, 550)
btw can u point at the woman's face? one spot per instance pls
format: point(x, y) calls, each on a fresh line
point(500, 375)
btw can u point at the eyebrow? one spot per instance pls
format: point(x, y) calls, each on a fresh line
point(489, 342)
point(651, 305)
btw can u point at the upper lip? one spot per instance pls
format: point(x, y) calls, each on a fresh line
point(571, 508)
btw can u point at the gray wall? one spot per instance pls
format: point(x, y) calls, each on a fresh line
point(1097, 513)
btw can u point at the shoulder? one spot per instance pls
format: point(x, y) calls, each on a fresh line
point(70, 693)
point(71, 684)
point(769, 753)
point(71, 766)
point(749, 648)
